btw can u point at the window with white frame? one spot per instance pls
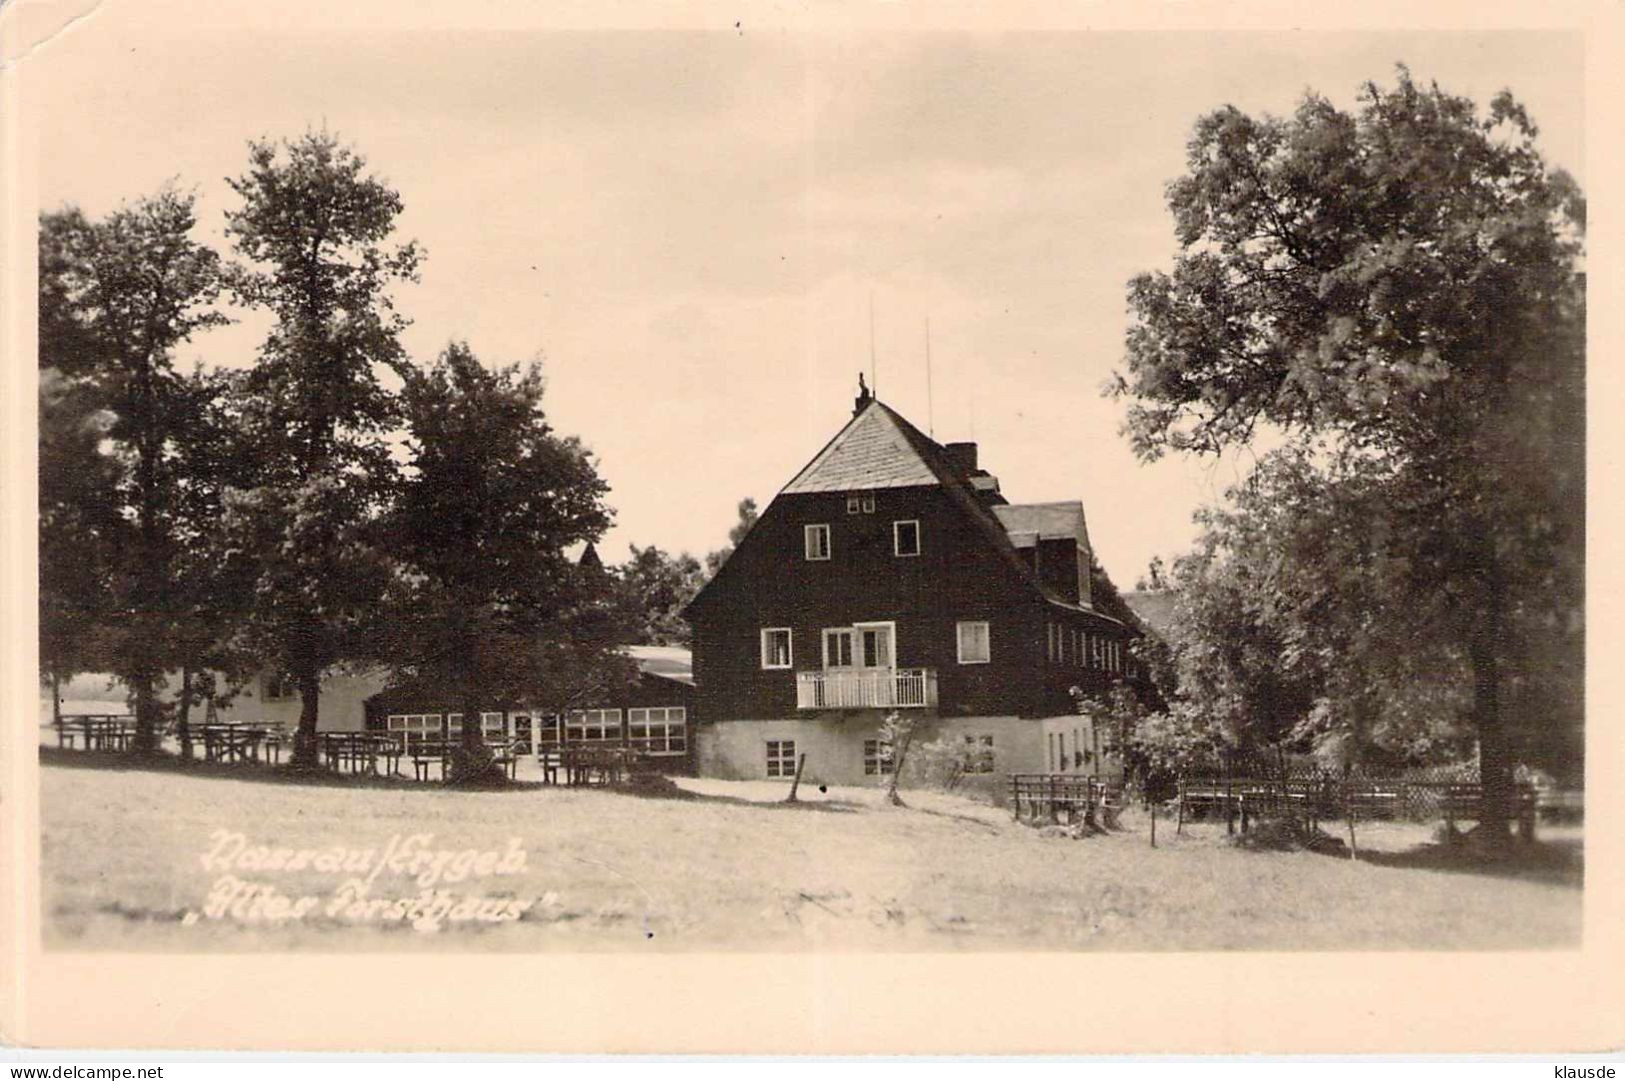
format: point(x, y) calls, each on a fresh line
point(414, 727)
point(658, 730)
point(1097, 652)
point(877, 757)
point(527, 726)
point(857, 503)
point(781, 758)
point(977, 756)
point(776, 647)
point(838, 647)
point(816, 540)
point(906, 538)
point(592, 725)
point(973, 641)
point(869, 503)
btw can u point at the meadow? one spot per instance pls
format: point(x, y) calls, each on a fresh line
point(133, 855)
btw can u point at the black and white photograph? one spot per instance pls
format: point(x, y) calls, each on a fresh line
point(768, 484)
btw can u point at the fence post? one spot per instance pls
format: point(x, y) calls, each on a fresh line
point(801, 763)
point(1229, 795)
point(1348, 810)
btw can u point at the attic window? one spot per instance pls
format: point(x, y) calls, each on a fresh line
point(860, 504)
point(906, 538)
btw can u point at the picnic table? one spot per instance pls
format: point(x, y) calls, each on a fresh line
point(427, 753)
point(231, 741)
point(360, 751)
point(587, 765)
point(98, 731)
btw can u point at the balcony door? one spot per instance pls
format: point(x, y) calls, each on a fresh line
point(874, 645)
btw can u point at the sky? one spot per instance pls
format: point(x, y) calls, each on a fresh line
point(690, 228)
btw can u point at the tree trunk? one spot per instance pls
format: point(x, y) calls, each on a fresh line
point(472, 762)
point(1494, 767)
point(183, 727)
point(305, 754)
point(147, 727)
point(56, 701)
point(897, 768)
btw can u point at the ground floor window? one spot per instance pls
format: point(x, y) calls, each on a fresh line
point(977, 756)
point(593, 725)
point(877, 759)
point(781, 758)
point(415, 727)
point(491, 725)
point(658, 729)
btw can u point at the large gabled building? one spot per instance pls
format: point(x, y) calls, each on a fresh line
point(890, 573)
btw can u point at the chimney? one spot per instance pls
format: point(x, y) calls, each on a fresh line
point(864, 396)
point(962, 455)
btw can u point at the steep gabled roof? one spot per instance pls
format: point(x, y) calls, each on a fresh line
point(871, 452)
point(879, 448)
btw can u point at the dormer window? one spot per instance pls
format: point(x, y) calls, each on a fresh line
point(816, 539)
point(906, 538)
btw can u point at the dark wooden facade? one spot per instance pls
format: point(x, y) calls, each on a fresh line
point(966, 570)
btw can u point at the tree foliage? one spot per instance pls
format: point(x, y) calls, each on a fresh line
point(747, 518)
point(1397, 291)
point(125, 504)
point(313, 227)
point(488, 608)
point(654, 588)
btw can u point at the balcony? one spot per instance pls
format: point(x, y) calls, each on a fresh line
point(867, 688)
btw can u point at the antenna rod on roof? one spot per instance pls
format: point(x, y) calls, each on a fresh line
point(874, 372)
point(930, 401)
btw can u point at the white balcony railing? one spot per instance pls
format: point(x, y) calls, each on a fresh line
point(868, 688)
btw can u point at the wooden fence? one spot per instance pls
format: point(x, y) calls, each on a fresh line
point(1068, 797)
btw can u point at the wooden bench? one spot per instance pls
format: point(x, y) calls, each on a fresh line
point(1054, 795)
point(426, 753)
point(506, 755)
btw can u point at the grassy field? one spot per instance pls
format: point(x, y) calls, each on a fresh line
point(726, 865)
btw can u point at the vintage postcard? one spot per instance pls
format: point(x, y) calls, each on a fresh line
point(865, 528)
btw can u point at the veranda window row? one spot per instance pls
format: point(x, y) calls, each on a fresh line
point(656, 730)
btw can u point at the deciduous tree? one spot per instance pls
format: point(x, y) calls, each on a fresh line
point(117, 297)
point(489, 607)
point(1396, 287)
point(314, 228)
